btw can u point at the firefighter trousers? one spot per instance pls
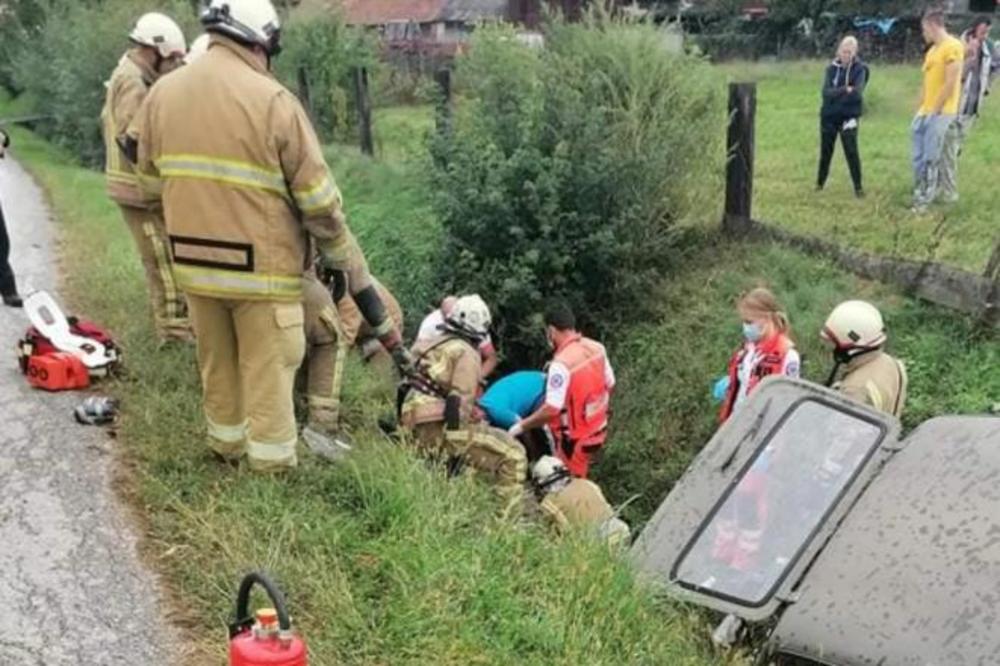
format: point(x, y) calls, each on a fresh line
point(487, 450)
point(248, 354)
point(326, 352)
point(149, 232)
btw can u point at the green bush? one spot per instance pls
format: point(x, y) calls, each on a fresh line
point(18, 18)
point(320, 48)
point(64, 61)
point(568, 170)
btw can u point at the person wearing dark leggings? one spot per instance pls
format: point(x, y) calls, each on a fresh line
point(8, 287)
point(843, 88)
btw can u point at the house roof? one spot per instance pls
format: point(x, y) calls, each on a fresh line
point(379, 12)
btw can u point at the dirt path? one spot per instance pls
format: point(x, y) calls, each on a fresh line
point(71, 581)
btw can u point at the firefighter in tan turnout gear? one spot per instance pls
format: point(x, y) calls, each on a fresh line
point(158, 47)
point(247, 195)
point(333, 324)
point(857, 332)
point(439, 405)
point(571, 502)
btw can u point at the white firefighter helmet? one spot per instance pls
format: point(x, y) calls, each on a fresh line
point(199, 47)
point(854, 327)
point(246, 21)
point(470, 315)
point(160, 32)
point(548, 470)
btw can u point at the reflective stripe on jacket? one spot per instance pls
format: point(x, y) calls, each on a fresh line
point(127, 88)
point(454, 365)
point(243, 180)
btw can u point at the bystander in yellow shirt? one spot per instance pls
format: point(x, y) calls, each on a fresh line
point(935, 62)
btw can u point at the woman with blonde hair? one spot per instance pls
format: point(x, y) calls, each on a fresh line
point(767, 349)
point(843, 87)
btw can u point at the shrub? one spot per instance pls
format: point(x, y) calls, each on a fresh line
point(65, 60)
point(568, 170)
point(320, 48)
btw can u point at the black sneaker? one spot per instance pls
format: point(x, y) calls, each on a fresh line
point(13, 300)
point(859, 193)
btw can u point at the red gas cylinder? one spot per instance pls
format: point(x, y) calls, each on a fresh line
point(57, 371)
point(267, 639)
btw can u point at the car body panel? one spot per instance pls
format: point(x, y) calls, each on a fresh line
point(912, 575)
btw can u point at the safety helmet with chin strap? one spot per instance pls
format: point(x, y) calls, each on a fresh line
point(250, 22)
point(470, 317)
point(159, 32)
point(548, 471)
point(853, 328)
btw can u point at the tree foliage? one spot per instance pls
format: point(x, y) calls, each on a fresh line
point(319, 56)
point(64, 52)
point(568, 170)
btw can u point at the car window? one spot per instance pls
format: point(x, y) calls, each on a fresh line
point(756, 532)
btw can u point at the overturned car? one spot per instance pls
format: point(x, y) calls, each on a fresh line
point(810, 519)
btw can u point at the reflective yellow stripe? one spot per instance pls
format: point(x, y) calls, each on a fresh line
point(230, 434)
point(172, 306)
point(273, 452)
point(316, 198)
point(874, 395)
point(385, 328)
point(222, 170)
point(122, 176)
point(235, 283)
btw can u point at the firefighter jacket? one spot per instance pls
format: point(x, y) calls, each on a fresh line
point(453, 365)
point(243, 181)
point(876, 379)
point(127, 88)
point(580, 502)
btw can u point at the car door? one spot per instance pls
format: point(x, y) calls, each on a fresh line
point(749, 515)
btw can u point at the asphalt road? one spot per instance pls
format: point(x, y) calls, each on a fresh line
point(74, 590)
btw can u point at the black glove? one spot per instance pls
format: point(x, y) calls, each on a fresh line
point(129, 147)
point(403, 359)
point(335, 281)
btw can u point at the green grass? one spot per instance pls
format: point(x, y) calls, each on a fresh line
point(663, 409)
point(383, 560)
point(788, 151)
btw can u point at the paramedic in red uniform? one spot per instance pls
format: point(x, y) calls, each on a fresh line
point(767, 350)
point(577, 392)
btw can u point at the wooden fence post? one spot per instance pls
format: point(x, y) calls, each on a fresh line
point(740, 155)
point(364, 103)
point(444, 111)
point(991, 310)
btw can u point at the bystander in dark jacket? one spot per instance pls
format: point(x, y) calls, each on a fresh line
point(843, 103)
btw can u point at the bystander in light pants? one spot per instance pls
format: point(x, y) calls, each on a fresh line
point(248, 354)
point(953, 141)
point(928, 148)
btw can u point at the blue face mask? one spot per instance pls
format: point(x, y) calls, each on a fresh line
point(752, 331)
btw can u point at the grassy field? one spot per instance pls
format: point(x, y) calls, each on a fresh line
point(788, 152)
point(383, 560)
